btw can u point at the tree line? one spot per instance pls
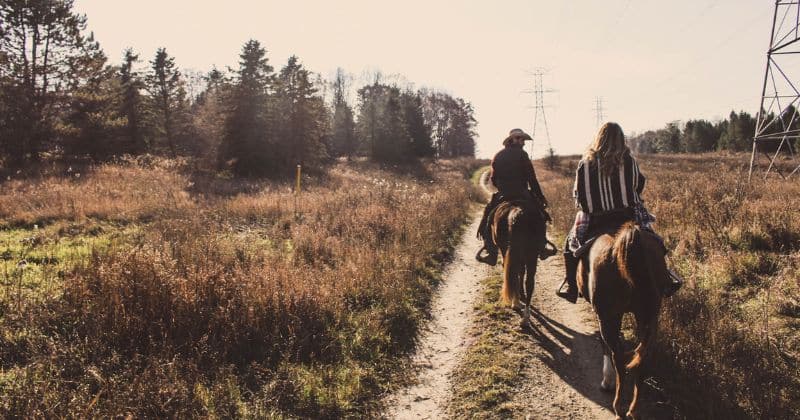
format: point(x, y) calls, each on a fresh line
point(734, 133)
point(60, 98)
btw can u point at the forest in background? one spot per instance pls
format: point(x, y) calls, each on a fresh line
point(60, 98)
point(699, 135)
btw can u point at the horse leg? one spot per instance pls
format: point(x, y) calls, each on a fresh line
point(608, 370)
point(609, 329)
point(530, 282)
point(645, 331)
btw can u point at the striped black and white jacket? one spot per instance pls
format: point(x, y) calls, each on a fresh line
point(597, 193)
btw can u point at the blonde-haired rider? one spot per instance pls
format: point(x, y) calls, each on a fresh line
point(607, 190)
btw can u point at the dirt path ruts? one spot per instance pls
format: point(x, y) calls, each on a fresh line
point(563, 364)
point(445, 338)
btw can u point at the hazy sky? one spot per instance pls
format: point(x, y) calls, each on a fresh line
point(651, 61)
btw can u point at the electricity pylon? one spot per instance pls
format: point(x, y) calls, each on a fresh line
point(598, 110)
point(778, 122)
point(538, 91)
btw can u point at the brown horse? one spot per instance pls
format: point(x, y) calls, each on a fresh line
point(624, 273)
point(519, 231)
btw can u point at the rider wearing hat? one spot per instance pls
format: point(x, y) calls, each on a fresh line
point(513, 175)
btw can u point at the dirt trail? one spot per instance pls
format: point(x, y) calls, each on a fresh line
point(562, 373)
point(445, 338)
point(563, 365)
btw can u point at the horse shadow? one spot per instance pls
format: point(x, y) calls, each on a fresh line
point(581, 366)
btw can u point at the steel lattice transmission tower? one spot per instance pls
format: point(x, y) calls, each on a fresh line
point(778, 122)
point(538, 91)
point(598, 110)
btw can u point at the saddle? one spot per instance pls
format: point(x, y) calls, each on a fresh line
point(531, 204)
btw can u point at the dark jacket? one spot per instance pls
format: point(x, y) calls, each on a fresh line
point(513, 173)
point(599, 193)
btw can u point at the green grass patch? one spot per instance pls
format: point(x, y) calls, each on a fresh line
point(476, 176)
point(484, 382)
point(33, 261)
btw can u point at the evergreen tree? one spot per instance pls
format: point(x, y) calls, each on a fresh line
point(44, 53)
point(370, 109)
point(209, 113)
point(459, 137)
point(418, 130)
point(300, 122)
point(699, 136)
point(344, 140)
point(668, 139)
point(739, 132)
point(92, 125)
point(394, 144)
point(247, 138)
point(168, 96)
point(133, 107)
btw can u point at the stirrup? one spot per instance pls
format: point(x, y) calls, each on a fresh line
point(548, 251)
point(490, 258)
point(675, 284)
point(566, 295)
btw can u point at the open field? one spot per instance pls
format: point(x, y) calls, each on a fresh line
point(728, 345)
point(148, 290)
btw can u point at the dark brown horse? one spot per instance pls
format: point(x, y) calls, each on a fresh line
point(518, 230)
point(624, 273)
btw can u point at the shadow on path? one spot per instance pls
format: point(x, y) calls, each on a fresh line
point(577, 357)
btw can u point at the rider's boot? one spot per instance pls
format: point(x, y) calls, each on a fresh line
point(491, 252)
point(675, 283)
point(485, 232)
point(571, 268)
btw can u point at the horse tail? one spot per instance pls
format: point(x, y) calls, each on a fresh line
point(636, 267)
point(512, 259)
point(629, 254)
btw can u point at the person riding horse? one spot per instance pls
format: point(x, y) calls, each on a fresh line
point(607, 190)
point(513, 174)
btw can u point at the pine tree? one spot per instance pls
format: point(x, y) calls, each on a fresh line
point(93, 124)
point(418, 130)
point(299, 128)
point(209, 113)
point(168, 97)
point(344, 141)
point(43, 55)
point(132, 107)
point(247, 139)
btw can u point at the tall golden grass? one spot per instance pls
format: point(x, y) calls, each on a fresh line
point(728, 343)
point(234, 299)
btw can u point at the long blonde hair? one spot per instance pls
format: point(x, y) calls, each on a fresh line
point(609, 146)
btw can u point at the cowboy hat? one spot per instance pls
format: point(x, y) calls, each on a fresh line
point(514, 133)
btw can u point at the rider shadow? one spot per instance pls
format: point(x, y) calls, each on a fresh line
point(575, 367)
point(581, 367)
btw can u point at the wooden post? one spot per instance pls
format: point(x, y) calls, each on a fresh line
point(297, 182)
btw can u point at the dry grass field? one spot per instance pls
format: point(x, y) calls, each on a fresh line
point(144, 289)
point(729, 343)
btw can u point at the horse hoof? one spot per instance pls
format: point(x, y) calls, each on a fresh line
point(606, 387)
point(525, 323)
point(632, 416)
